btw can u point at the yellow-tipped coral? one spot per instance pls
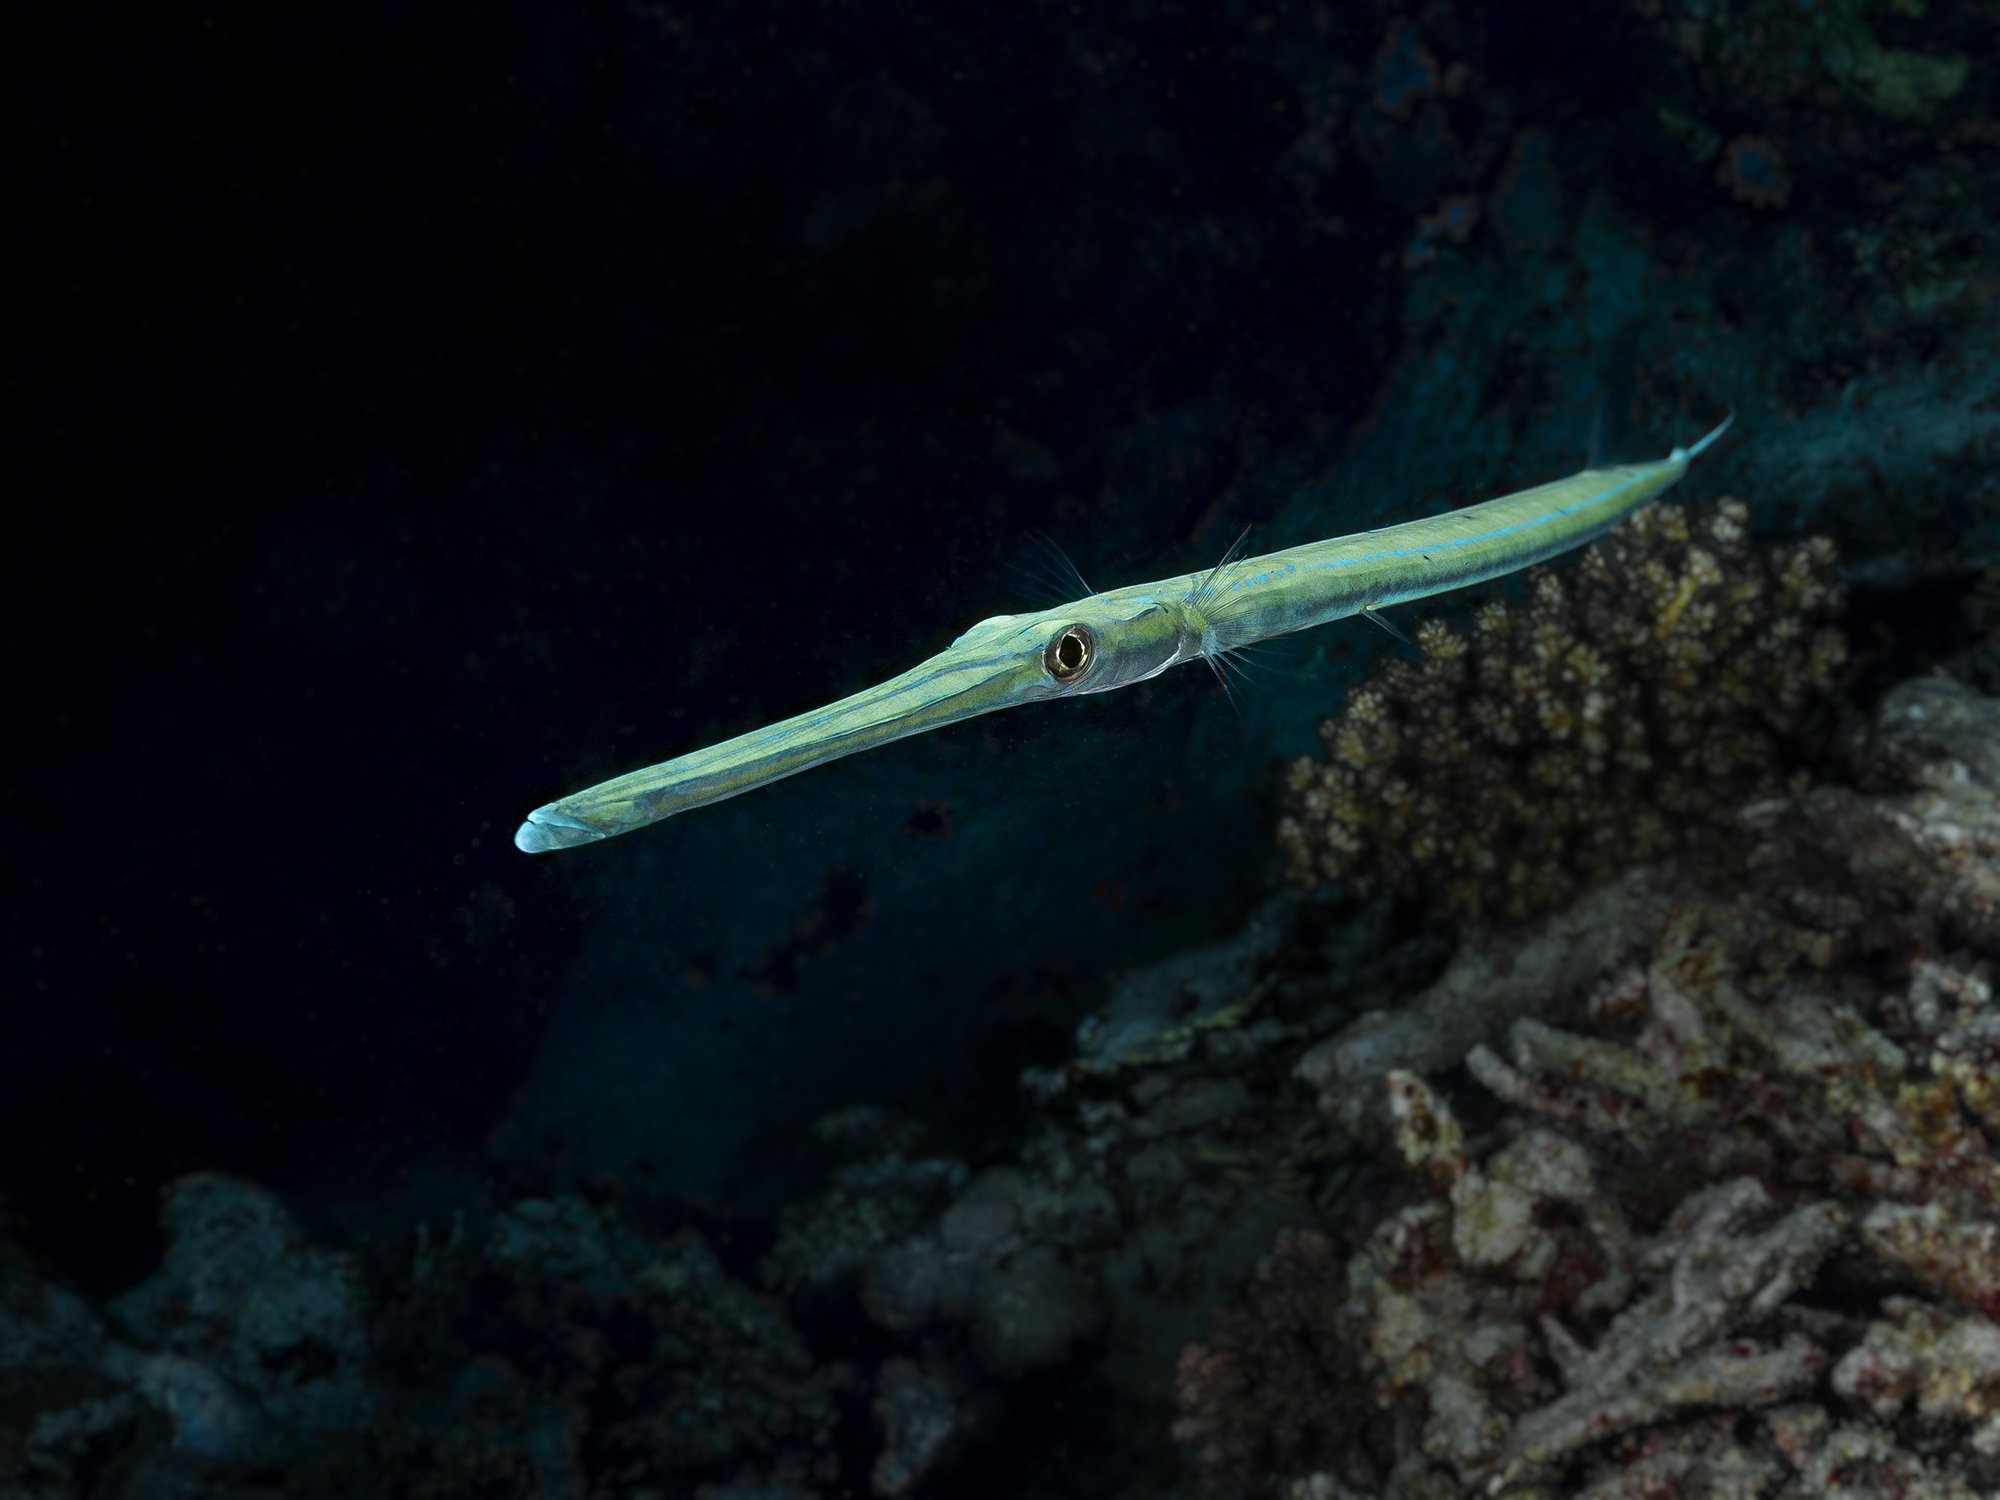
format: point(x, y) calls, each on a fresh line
point(1631, 700)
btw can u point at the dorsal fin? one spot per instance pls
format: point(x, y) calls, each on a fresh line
point(1205, 588)
point(1047, 569)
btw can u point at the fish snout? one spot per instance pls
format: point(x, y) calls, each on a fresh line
point(547, 828)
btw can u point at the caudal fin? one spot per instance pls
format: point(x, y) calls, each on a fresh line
point(1701, 447)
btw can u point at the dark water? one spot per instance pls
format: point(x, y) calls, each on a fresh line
point(418, 413)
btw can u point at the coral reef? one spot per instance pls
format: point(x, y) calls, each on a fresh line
point(1542, 971)
point(1950, 1366)
point(1273, 1389)
point(669, 1370)
point(256, 1339)
point(1908, 857)
point(1688, 1188)
point(1639, 697)
point(1793, 1132)
point(1738, 1228)
point(1722, 1222)
point(561, 1347)
point(878, 1189)
point(1158, 1176)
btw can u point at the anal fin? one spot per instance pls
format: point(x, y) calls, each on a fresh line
point(1371, 613)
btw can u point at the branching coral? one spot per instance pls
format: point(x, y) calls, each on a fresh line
point(1949, 1366)
point(1457, 1316)
point(1611, 1292)
point(1521, 1325)
point(1641, 695)
point(1789, 1084)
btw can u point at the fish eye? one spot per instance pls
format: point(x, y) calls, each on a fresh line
point(1069, 655)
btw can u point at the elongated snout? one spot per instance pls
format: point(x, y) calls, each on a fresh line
point(976, 675)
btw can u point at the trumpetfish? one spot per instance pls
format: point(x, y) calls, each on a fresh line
point(1127, 635)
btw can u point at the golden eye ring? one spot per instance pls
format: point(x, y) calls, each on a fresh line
point(1070, 652)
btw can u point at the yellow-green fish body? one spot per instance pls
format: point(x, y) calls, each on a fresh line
point(1113, 639)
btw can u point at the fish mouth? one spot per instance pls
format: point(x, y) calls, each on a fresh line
point(547, 828)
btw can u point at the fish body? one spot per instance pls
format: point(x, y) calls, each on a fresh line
point(1122, 636)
